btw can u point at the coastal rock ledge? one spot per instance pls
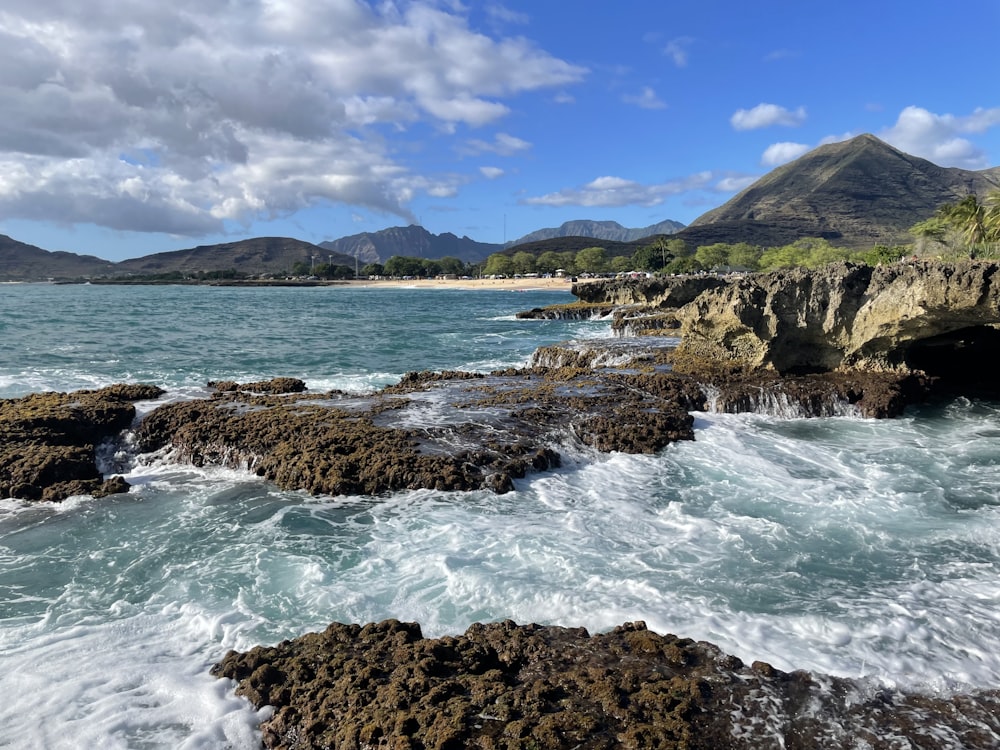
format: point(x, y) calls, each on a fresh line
point(940, 319)
point(503, 686)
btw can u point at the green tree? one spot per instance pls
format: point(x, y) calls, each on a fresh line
point(881, 255)
point(499, 264)
point(548, 262)
point(621, 264)
point(785, 256)
point(372, 269)
point(524, 262)
point(591, 260)
point(713, 256)
point(683, 264)
point(401, 265)
point(567, 261)
point(744, 255)
point(450, 265)
point(429, 268)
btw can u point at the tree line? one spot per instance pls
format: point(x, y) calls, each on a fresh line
point(969, 228)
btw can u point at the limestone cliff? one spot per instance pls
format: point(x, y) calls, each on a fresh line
point(936, 317)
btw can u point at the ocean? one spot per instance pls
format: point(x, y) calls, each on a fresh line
point(859, 548)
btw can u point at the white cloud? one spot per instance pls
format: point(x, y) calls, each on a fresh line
point(647, 99)
point(767, 115)
point(939, 138)
point(503, 144)
point(503, 14)
point(616, 191)
point(677, 50)
point(733, 184)
point(781, 153)
point(180, 116)
point(491, 173)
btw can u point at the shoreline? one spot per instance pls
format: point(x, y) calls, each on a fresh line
point(518, 285)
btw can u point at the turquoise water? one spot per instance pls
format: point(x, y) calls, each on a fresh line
point(849, 546)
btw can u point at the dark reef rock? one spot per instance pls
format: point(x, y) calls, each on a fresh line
point(444, 431)
point(47, 450)
point(501, 686)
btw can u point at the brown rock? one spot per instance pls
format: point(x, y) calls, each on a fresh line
point(505, 686)
point(48, 446)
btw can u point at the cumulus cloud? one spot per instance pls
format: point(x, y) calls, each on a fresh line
point(179, 117)
point(491, 173)
point(647, 99)
point(939, 138)
point(616, 191)
point(765, 116)
point(781, 153)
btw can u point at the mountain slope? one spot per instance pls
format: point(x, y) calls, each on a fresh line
point(413, 242)
point(23, 262)
point(253, 256)
point(856, 193)
point(600, 230)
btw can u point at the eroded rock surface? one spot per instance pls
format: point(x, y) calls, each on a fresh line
point(48, 441)
point(445, 431)
point(938, 318)
point(501, 686)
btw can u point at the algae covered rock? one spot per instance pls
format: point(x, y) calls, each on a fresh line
point(504, 686)
point(47, 450)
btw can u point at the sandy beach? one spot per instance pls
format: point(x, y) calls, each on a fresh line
point(472, 284)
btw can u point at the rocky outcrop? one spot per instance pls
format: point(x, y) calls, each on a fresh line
point(939, 319)
point(48, 450)
point(444, 431)
point(503, 686)
point(903, 317)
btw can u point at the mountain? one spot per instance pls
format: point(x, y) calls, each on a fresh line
point(413, 242)
point(253, 256)
point(22, 262)
point(855, 193)
point(600, 230)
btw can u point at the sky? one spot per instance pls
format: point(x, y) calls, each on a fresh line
point(130, 127)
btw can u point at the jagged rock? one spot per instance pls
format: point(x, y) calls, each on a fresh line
point(663, 292)
point(942, 319)
point(48, 447)
point(273, 386)
point(489, 430)
point(504, 686)
point(935, 317)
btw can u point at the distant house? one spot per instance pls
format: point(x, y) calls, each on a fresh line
point(560, 273)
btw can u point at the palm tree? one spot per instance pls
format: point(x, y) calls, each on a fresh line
point(991, 220)
point(976, 223)
point(967, 216)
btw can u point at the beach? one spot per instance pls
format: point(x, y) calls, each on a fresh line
point(514, 284)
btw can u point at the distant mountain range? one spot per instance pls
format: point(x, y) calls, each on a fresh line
point(415, 241)
point(412, 242)
point(601, 230)
point(855, 193)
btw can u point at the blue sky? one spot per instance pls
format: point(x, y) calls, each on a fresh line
point(130, 128)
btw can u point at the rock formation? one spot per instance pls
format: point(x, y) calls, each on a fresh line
point(501, 686)
point(938, 319)
point(491, 430)
point(48, 450)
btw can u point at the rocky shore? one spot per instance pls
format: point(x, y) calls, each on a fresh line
point(503, 686)
point(844, 339)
